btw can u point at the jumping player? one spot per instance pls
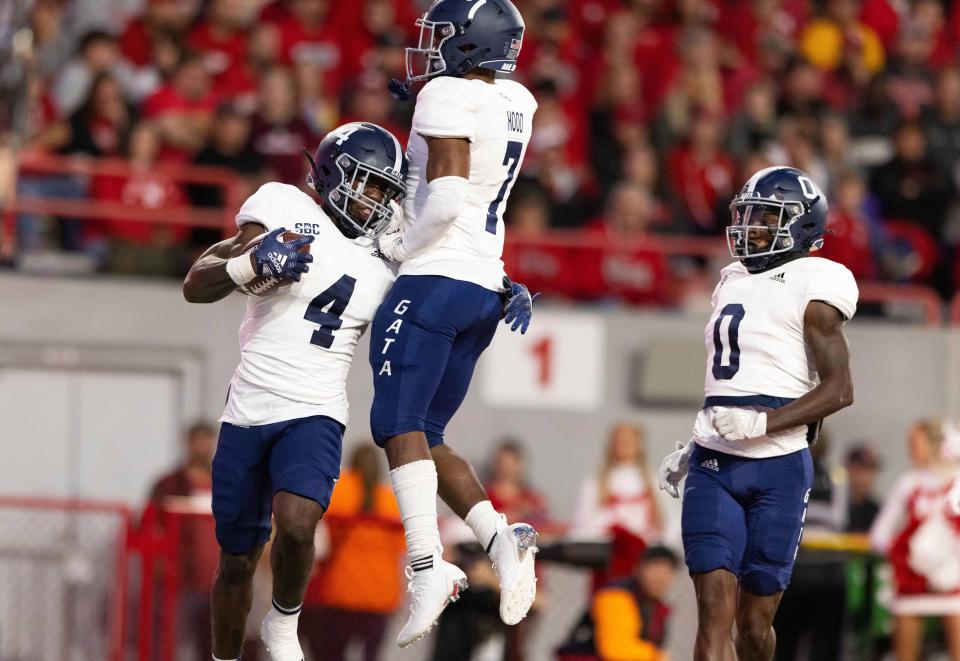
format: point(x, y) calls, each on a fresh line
point(470, 133)
point(777, 365)
point(280, 443)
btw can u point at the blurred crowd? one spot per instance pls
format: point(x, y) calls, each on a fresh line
point(652, 112)
point(882, 569)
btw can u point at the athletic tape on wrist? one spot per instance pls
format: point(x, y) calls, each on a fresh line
point(240, 269)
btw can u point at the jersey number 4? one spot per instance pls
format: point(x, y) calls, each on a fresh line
point(511, 159)
point(726, 372)
point(325, 309)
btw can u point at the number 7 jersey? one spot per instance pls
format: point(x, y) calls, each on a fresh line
point(756, 352)
point(296, 344)
point(497, 119)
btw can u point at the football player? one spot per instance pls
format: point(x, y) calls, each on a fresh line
point(470, 133)
point(280, 442)
point(777, 365)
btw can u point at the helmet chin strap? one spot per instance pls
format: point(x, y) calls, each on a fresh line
point(313, 170)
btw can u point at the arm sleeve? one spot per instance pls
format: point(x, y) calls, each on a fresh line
point(617, 628)
point(834, 285)
point(264, 207)
point(445, 200)
point(443, 112)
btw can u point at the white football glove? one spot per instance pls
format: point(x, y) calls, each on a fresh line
point(674, 468)
point(391, 241)
point(735, 424)
point(391, 247)
point(398, 223)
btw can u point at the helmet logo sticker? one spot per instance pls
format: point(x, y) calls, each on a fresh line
point(809, 190)
point(346, 131)
point(474, 8)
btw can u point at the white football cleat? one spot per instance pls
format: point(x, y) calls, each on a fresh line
point(512, 555)
point(430, 591)
point(281, 647)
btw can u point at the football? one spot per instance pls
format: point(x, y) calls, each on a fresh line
point(263, 285)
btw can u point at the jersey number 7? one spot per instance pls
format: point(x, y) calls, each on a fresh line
point(510, 159)
point(736, 313)
point(325, 309)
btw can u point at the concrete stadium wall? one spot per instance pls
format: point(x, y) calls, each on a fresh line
point(130, 326)
point(99, 376)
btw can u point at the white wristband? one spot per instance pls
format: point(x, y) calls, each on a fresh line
point(240, 269)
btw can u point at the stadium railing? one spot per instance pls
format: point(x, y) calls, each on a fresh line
point(922, 297)
point(63, 566)
point(575, 264)
point(159, 544)
point(43, 163)
point(65, 563)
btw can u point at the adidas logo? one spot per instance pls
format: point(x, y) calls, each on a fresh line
point(276, 262)
point(711, 464)
point(778, 277)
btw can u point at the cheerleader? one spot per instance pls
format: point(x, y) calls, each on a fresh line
point(918, 529)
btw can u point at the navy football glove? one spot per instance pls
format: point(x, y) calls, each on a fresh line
point(282, 260)
point(518, 308)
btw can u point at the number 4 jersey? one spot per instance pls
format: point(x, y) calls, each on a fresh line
point(297, 343)
point(756, 353)
point(497, 119)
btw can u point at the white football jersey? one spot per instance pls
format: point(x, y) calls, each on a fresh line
point(756, 353)
point(497, 120)
point(296, 344)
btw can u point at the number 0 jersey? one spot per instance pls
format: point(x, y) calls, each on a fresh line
point(296, 344)
point(497, 120)
point(756, 353)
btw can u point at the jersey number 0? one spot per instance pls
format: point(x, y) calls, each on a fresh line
point(726, 372)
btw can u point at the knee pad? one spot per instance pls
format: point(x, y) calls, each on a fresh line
point(702, 558)
point(433, 438)
point(381, 425)
point(239, 540)
point(761, 583)
point(385, 422)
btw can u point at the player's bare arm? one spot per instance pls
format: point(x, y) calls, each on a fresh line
point(823, 334)
point(208, 280)
point(276, 258)
point(448, 157)
point(448, 172)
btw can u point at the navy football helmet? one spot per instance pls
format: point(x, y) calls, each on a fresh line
point(359, 171)
point(779, 212)
point(457, 36)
